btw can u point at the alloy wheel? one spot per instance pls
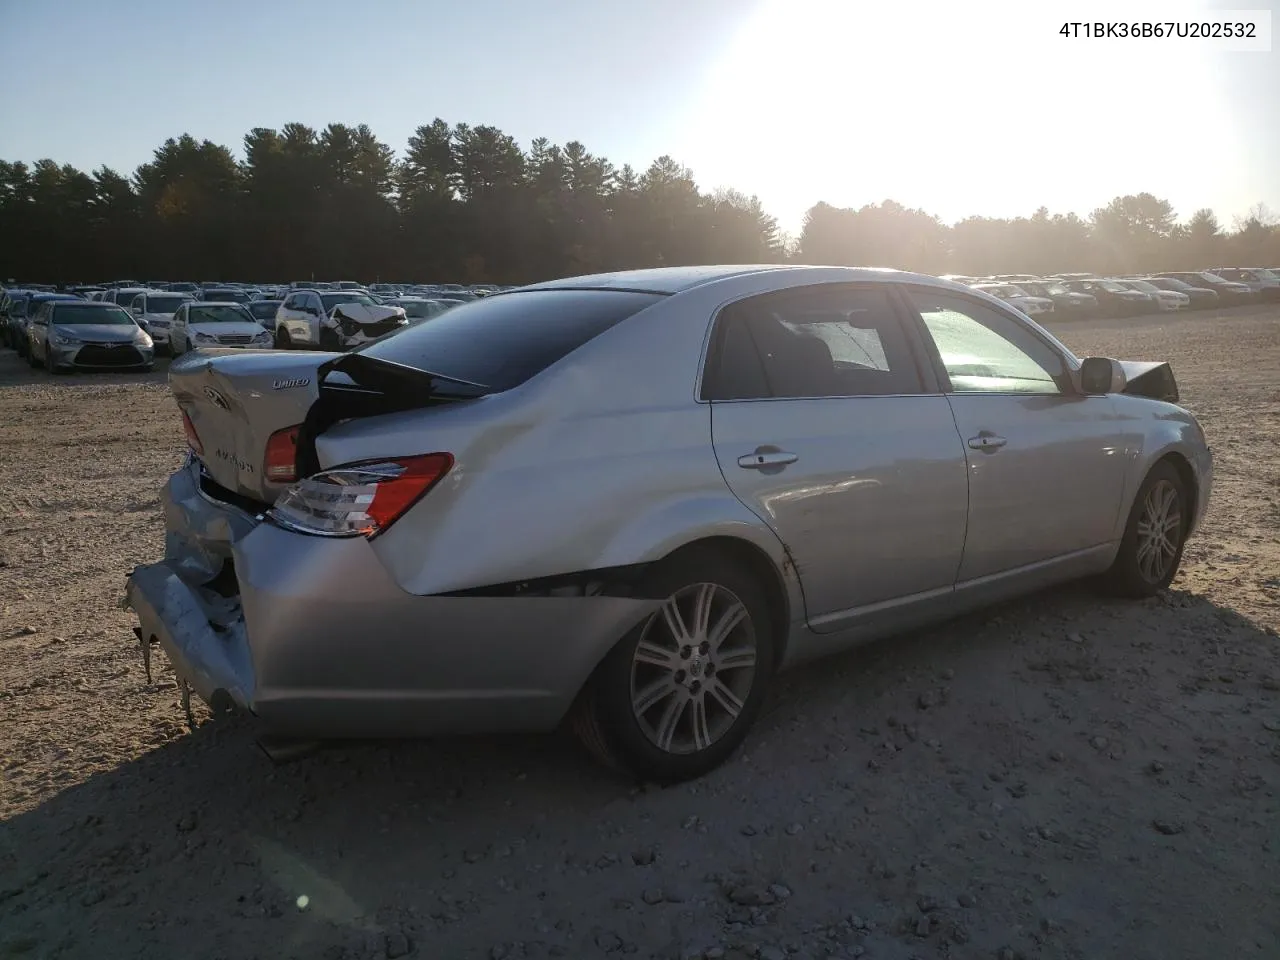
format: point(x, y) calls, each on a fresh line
point(1159, 531)
point(693, 668)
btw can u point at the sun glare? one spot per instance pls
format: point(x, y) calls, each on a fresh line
point(955, 109)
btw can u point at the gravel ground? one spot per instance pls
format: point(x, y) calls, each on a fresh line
point(1065, 777)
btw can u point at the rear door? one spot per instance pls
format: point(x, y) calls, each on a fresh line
point(827, 422)
point(1046, 464)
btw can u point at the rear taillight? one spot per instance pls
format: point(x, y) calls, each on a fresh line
point(280, 464)
point(359, 499)
point(193, 439)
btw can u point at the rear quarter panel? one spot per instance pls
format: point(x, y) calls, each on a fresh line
point(603, 460)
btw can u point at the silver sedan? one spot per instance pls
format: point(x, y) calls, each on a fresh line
point(629, 500)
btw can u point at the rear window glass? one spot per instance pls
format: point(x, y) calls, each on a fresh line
point(500, 342)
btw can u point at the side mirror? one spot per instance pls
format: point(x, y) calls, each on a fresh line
point(1100, 375)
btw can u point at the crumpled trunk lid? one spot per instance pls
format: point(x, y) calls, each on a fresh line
point(235, 401)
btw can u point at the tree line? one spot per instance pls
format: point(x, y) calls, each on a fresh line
point(469, 204)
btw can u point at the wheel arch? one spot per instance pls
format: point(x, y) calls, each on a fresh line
point(762, 567)
point(1187, 474)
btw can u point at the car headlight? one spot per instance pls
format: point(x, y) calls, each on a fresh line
point(205, 338)
point(62, 339)
point(142, 338)
point(263, 337)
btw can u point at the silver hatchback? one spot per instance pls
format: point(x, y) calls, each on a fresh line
point(628, 500)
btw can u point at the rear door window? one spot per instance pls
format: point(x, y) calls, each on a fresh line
point(822, 341)
point(502, 341)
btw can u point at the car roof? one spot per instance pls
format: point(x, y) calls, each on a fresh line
point(671, 280)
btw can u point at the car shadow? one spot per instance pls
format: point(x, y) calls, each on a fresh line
point(460, 845)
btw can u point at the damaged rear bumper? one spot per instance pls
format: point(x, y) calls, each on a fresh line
point(314, 637)
point(214, 662)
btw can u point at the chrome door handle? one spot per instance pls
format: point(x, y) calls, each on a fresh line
point(767, 458)
point(987, 443)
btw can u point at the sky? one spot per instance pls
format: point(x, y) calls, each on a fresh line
point(968, 109)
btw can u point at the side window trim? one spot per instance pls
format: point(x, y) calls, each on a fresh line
point(918, 342)
point(1066, 389)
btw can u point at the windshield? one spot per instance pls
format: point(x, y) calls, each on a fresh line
point(220, 313)
point(165, 304)
point(501, 342)
point(1143, 286)
point(227, 296)
point(331, 300)
point(1056, 290)
point(1264, 274)
point(417, 309)
point(83, 313)
point(264, 309)
point(1112, 286)
point(1212, 277)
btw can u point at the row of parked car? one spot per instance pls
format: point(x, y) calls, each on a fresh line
point(1089, 295)
point(125, 324)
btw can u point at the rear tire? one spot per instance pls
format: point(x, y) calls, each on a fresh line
point(283, 340)
point(674, 699)
point(1151, 549)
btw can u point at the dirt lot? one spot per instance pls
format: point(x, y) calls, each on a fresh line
point(1066, 777)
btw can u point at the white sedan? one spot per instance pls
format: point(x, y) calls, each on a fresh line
point(1015, 296)
point(215, 325)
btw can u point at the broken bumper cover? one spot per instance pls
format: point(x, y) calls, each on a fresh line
point(320, 641)
point(215, 663)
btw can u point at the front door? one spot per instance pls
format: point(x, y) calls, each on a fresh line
point(828, 425)
point(1046, 463)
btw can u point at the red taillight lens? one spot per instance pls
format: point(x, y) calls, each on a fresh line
point(193, 439)
point(393, 497)
point(280, 465)
point(359, 499)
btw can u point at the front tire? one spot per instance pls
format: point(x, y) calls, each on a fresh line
point(329, 341)
point(1151, 549)
point(677, 695)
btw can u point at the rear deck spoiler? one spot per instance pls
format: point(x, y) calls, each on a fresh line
point(356, 385)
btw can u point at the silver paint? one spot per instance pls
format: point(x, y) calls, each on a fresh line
point(885, 518)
